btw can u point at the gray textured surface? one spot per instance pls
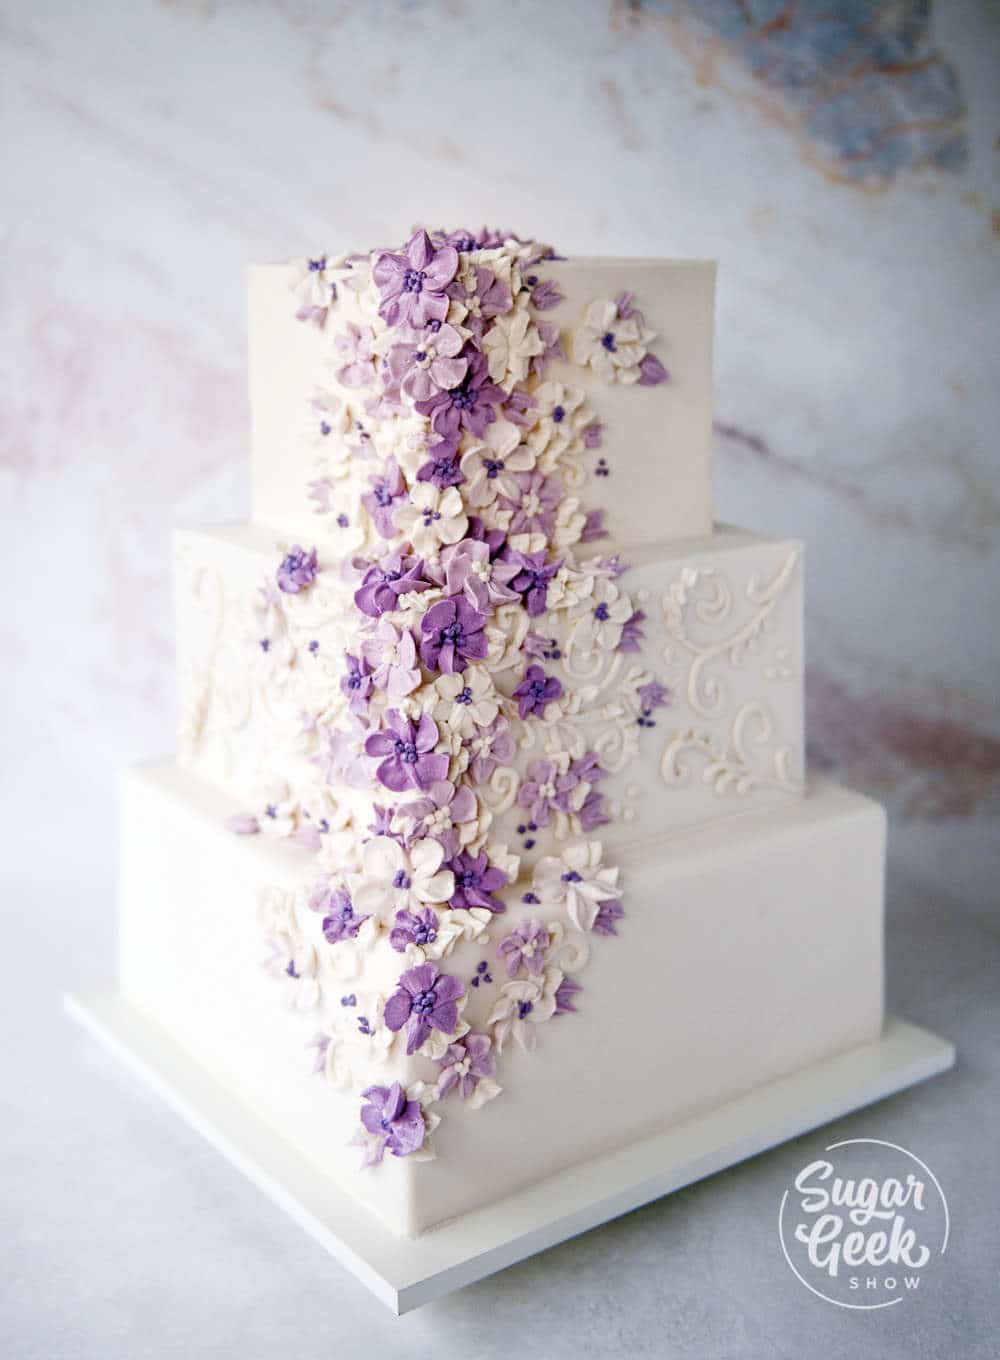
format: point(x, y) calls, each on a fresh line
point(125, 1236)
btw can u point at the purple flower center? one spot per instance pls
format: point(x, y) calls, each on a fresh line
point(419, 356)
point(431, 515)
point(401, 880)
point(317, 266)
point(468, 878)
point(602, 612)
point(608, 341)
point(465, 697)
point(558, 414)
point(537, 689)
point(434, 325)
point(424, 934)
point(325, 427)
point(343, 521)
point(571, 876)
point(265, 644)
point(383, 495)
point(524, 1008)
point(271, 811)
point(493, 467)
point(413, 281)
point(406, 751)
point(424, 1002)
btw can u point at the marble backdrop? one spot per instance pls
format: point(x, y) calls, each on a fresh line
point(838, 160)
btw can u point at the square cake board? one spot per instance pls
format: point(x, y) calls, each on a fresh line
point(406, 1272)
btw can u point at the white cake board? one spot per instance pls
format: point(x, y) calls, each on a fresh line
point(405, 1273)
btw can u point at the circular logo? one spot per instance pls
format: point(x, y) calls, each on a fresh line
point(863, 1224)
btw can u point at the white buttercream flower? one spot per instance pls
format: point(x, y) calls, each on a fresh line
point(577, 880)
point(563, 415)
point(510, 345)
point(432, 517)
point(489, 467)
point(601, 618)
point(393, 879)
point(466, 702)
point(523, 1005)
point(612, 345)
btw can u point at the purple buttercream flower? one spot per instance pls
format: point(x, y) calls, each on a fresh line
point(526, 946)
point(297, 571)
point(493, 746)
point(469, 406)
point(632, 635)
point(412, 285)
point(552, 348)
point(593, 526)
point(652, 372)
point(465, 1064)
point(440, 813)
point(545, 293)
point(388, 490)
point(381, 823)
point(356, 352)
point(476, 879)
point(357, 683)
point(406, 751)
point(653, 695)
point(592, 812)
point(396, 1122)
point(607, 914)
point(469, 571)
point(541, 789)
point(532, 579)
point(495, 539)
point(426, 999)
point(441, 467)
point(536, 503)
point(565, 993)
point(453, 634)
point(340, 921)
point(535, 691)
point(385, 581)
point(491, 297)
point(427, 362)
point(417, 928)
point(593, 435)
point(392, 653)
point(519, 408)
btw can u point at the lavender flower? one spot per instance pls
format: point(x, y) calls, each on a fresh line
point(469, 406)
point(535, 691)
point(652, 372)
point(297, 571)
point(441, 467)
point(541, 789)
point(608, 913)
point(545, 293)
point(417, 928)
point(412, 285)
point(426, 999)
point(465, 1064)
point(532, 579)
point(535, 503)
point(632, 634)
point(489, 298)
point(469, 571)
point(385, 581)
point(396, 1122)
point(354, 346)
point(388, 490)
point(340, 921)
point(428, 362)
point(493, 746)
point(565, 993)
point(357, 683)
point(653, 695)
point(525, 947)
point(406, 750)
point(439, 815)
point(453, 634)
point(476, 880)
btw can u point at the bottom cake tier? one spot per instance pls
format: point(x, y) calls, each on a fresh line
point(748, 950)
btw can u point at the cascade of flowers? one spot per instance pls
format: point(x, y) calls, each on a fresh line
point(448, 485)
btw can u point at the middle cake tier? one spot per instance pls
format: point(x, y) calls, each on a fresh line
point(670, 693)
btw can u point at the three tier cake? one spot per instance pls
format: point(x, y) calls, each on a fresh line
point(490, 846)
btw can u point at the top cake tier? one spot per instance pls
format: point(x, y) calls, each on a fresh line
point(600, 367)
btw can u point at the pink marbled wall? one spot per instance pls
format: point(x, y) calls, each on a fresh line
point(151, 151)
